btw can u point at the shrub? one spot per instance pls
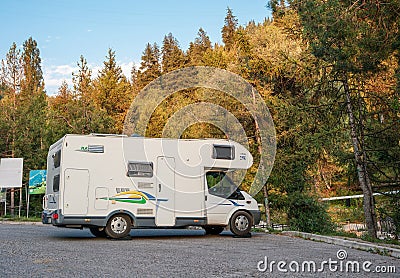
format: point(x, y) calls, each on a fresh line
point(306, 214)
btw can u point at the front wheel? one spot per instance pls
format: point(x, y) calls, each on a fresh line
point(118, 226)
point(241, 223)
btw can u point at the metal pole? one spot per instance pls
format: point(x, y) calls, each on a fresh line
point(20, 201)
point(5, 205)
point(27, 202)
point(12, 204)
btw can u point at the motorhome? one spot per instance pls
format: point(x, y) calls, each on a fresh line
point(112, 183)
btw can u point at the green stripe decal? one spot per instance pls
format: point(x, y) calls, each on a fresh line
point(126, 200)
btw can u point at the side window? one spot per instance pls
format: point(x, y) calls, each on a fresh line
point(56, 183)
point(219, 184)
point(140, 169)
point(57, 159)
point(223, 152)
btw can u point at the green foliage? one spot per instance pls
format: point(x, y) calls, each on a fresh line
point(150, 67)
point(229, 29)
point(391, 211)
point(198, 49)
point(112, 92)
point(297, 73)
point(306, 214)
point(173, 57)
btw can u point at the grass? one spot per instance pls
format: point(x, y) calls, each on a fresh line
point(21, 219)
point(366, 237)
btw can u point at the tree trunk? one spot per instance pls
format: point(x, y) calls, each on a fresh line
point(259, 143)
point(266, 204)
point(361, 165)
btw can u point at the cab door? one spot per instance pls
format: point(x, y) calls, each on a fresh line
point(217, 190)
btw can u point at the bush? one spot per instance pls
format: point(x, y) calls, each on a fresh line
point(306, 214)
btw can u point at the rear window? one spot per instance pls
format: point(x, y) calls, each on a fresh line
point(57, 159)
point(56, 183)
point(223, 152)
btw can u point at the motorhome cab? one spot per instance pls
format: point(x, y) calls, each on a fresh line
point(112, 183)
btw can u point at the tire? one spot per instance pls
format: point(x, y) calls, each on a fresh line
point(98, 231)
point(118, 226)
point(241, 223)
point(213, 230)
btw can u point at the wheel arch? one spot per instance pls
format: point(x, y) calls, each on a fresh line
point(227, 220)
point(121, 211)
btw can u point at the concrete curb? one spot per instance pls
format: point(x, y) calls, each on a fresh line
point(21, 223)
point(370, 247)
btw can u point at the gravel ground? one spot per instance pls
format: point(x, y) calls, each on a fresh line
point(46, 251)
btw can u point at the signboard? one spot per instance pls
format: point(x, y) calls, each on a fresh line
point(11, 172)
point(37, 182)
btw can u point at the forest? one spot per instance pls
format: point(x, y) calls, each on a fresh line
point(329, 72)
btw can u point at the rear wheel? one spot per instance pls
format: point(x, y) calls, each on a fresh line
point(98, 231)
point(118, 226)
point(241, 223)
point(213, 230)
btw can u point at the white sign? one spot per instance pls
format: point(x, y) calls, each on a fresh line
point(11, 172)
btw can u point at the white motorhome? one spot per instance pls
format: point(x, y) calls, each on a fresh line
point(111, 183)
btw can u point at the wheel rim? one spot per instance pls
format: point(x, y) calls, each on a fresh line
point(241, 223)
point(118, 225)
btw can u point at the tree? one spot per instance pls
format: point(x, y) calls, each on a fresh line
point(32, 106)
point(23, 107)
point(229, 29)
point(150, 67)
point(353, 39)
point(33, 77)
point(10, 80)
point(112, 92)
point(172, 56)
point(198, 48)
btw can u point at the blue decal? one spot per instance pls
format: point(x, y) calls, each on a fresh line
point(236, 204)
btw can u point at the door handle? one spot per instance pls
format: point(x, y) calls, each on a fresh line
point(159, 187)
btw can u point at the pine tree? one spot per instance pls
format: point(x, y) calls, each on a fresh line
point(150, 67)
point(198, 48)
point(172, 56)
point(112, 91)
point(10, 81)
point(90, 117)
point(32, 109)
point(229, 29)
point(33, 77)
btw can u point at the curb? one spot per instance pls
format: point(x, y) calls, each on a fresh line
point(370, 247)
point(21, 223)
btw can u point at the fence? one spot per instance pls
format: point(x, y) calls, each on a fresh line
point(385, 228)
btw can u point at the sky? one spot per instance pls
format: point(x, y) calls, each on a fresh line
point(65, 30)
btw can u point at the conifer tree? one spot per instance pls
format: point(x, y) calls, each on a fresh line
point(112, 92)
point(10, 81)
point(172, 56)
point(198, 48)
point(150, 67)
point(229, 29)
point(32, 108)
